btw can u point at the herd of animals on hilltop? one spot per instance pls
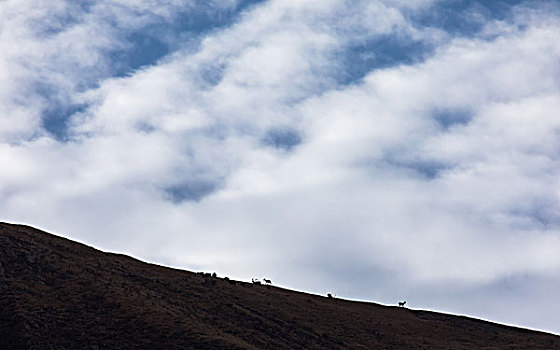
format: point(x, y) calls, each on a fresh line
point(268, 283)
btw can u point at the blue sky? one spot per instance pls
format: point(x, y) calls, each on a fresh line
point(380, 150)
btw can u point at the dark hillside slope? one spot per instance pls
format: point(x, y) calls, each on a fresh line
point(59, 294)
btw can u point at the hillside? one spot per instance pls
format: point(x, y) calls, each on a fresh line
point(59, 294)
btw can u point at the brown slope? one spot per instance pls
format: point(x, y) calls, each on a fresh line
point(59, 294)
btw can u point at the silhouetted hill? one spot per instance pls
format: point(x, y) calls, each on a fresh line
point(59, 294)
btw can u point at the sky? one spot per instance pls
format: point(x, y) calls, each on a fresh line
point(379, 150)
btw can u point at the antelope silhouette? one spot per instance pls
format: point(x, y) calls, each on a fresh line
point(267, 281)
point(401, 303)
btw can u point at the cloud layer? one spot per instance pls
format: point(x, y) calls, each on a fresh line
point(374, 149)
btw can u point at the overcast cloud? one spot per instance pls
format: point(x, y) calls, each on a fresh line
point(379, 150)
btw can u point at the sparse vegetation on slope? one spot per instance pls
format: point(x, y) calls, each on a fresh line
point(59, 294)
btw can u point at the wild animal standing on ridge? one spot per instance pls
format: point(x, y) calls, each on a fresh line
point(401, 303)
point(269, 282)
point(255, 281)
